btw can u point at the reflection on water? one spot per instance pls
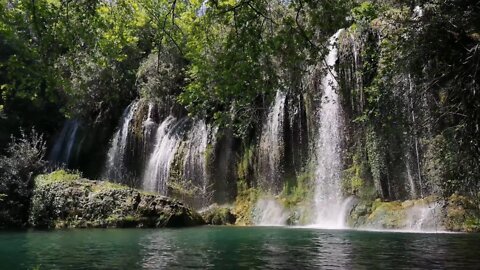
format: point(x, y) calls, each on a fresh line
point(236, 248)
point(332, 244)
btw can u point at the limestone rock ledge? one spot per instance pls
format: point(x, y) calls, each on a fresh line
point(218, 215)
point(64, 200)
point(456, 213)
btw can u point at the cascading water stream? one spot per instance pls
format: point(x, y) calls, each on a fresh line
point(423, 216)
point(180, 140)
point(149, 127)
point(194, 165)
point(329, 203)
point(64, 145)
point(415, 135)
point(166, 143)
point(148, 123)
point(269, 212)
point(115, 165)
point(203, 9)
point(271, 145)
point(411, 183)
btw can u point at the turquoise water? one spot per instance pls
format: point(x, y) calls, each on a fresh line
point(236, 248)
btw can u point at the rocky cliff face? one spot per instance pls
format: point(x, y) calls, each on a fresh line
point(62, 200)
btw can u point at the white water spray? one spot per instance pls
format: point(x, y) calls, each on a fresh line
point(195, 165)
point(158, 168)
point(269, 212)
point(329, 205)
point(116, 154)
point(64, 145)
point(203, 9)
point(271, 144)
point(411, 183)
point(183, 144)
point(148, 123)
point(424, 218)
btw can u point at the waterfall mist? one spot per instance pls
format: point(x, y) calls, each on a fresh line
point(269, 212)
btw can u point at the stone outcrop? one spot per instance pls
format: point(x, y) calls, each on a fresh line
point(218, 215)
point(63, 200)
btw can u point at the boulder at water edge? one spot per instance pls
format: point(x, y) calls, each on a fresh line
point(63, 200)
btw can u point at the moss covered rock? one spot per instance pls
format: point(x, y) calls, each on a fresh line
point(218, 215)
point(462, 214)
point(389, 215)
point(63, 200)
point(456, 213)
point(244, 204)
point(421, 214)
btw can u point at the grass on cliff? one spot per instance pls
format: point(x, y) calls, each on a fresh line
point(63, 176)
point(244, 203)
point(57, 177)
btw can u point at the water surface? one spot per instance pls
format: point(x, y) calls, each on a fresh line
point(236, 248)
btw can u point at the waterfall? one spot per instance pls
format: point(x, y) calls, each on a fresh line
point(413, 172)
point(194, 165)
point(424, 218)
point(149, 127)
point(271, 145)
point(65, 143)
point(115, 166)
point(203, 9)
point(167, 141)
point(269, 212)
point(179, 152)
point(415, 135)
point(148, 123)
point(411, 183)
point(328, 200)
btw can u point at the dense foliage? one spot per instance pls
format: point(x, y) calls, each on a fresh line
point(79, 58)
point(24, 160)
point(428, 58)
point(448, 54)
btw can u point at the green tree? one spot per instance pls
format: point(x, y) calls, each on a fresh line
point(241, 52)
point(24, 160)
